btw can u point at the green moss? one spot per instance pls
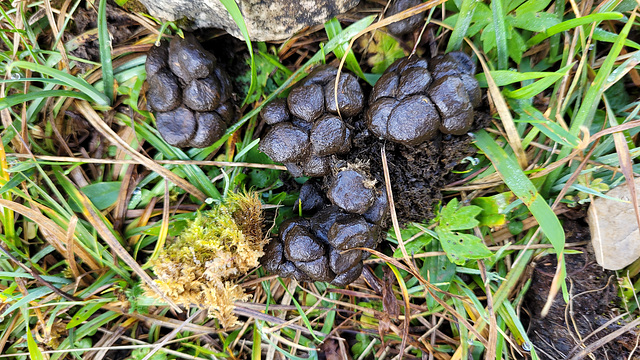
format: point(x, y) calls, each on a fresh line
point(201, 265)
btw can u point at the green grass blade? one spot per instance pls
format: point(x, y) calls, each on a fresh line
point(34, 350)
point(506, 77)
point(463, 22)
point(523, 188)
point(105, 51)
point(22, 98)
point(236, 15)
point(592, 97)
point(554, 131)
point(531, 90)
point(570, 24)
point(303, 316)
point(501, 33)
point(72, 81)
point(604, 35)
point(333, 28)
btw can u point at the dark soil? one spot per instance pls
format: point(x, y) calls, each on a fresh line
point(417, 173)
point(594, 301)
point(121, 28)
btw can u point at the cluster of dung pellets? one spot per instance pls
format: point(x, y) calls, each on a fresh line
point(326, 246)
point(308, 126)
point(415, 99)
point(189, 94)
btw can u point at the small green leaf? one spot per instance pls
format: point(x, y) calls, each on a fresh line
point(414, 246)
point(534, 22)
point(452, 218)
point(492, 207)
point(103, 194)
point(461, 247)
point(384, 50)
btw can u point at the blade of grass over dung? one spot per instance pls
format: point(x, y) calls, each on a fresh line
point(333, 28)
point(591, 99)
point(72, 81)
point(236, 15)
point(570, 24)
point(497, 8)
point(22, 98)
point(523, 188)
point(463, 22)
point(105, 51)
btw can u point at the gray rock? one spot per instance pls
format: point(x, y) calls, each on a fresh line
point(265, 20)
point(614, 229)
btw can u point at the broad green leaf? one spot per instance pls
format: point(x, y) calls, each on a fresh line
point(34, 350)
point(102, 194)
point(461, 247)
point(531, 7)
point(415, 246)
point(534, 22)
point(517, 181)
point(604, 35)
point(506, 77)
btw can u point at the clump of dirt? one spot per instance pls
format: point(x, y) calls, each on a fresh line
point(593, 303)
point(84, 37)
point(417, 173)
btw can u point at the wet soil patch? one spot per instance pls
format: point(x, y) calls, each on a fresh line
point(594, 302)
point(417, 173)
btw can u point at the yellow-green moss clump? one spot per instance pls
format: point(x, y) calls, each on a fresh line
point(201, 265)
